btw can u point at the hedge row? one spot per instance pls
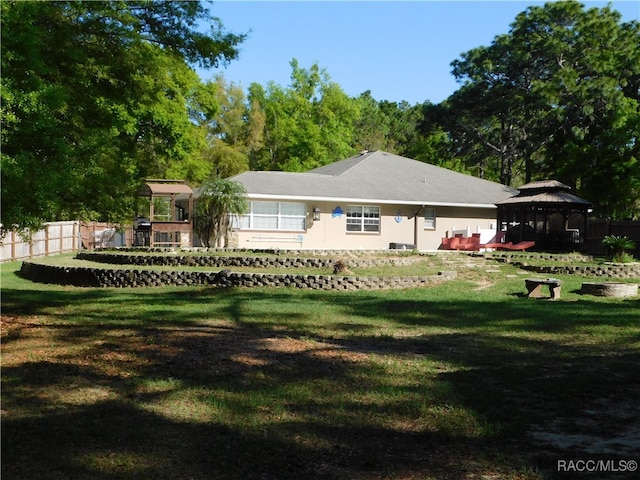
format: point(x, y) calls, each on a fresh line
point(106, 277)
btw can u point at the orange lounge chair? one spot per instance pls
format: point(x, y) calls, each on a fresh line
point(495, 242)
point(518, 246)
point(495, 245)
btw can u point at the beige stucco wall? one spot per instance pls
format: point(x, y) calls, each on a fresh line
point(397, 225)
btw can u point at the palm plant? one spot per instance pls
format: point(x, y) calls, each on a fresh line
point(219, 200)
point(618, 246)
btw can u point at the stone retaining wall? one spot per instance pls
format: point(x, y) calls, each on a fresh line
point(237, 261)
point(108, 277)
point(266, 251)
point(610, 271)
point(554, 257)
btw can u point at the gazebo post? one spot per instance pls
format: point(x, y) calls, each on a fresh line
point(546, 229)
point(586, 233)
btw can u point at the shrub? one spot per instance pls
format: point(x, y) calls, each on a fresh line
point(618, 248)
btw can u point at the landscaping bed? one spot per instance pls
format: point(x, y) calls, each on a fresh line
point(249, 259)
point(109, 277)
point(144, 269)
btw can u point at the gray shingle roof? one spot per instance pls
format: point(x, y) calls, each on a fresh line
point(381, 177)
point(544, 192)
point(545, 197)
point(544, 185)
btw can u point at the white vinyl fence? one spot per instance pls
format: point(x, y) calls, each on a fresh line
point(54, 238)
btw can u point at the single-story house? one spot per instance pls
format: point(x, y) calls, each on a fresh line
point(372, 201)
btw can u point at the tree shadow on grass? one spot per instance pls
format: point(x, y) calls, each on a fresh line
point(222, 403)
point(115, 441)
point(205, 383)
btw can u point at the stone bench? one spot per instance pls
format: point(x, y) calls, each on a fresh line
point(534, 287)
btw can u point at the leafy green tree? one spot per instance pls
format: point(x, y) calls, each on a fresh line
point(556, 97)
point(226, 160)
point(371, 130)
point(195, 166)
point(386, 125)
point(306, 125)
point(218, 201)
point(96, 96)
point(228, 132)
point(492, 115)
point(405, 137)
point(592, 103)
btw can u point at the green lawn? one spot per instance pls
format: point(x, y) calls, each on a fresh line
point(467, 379)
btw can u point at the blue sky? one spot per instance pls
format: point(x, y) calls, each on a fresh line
point(398, 50)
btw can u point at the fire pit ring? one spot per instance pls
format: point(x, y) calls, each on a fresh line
point(610, 289)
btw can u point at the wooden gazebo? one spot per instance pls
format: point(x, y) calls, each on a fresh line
point(547, 213)
point(165, 213)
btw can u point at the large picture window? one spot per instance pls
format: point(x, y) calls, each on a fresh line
point(275, 216)
point(363, 219)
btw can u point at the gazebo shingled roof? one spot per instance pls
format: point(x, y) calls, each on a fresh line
point(545, 185)
point(545, 192)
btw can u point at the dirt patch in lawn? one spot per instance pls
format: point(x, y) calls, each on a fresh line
point(611, 426)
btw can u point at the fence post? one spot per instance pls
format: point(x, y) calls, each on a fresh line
point(46, 240)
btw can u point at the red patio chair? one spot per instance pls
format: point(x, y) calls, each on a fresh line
point(470, 244)
point(453, 243)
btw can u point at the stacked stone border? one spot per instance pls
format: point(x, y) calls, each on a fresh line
point(608, 271)
point(581, 265)
point(109, 277)
point(553, 257)
point(134, 277)
point(218, 261)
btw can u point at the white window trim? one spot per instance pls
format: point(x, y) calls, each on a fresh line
point(251, 218)
point(362, 220)
point(430, 221)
